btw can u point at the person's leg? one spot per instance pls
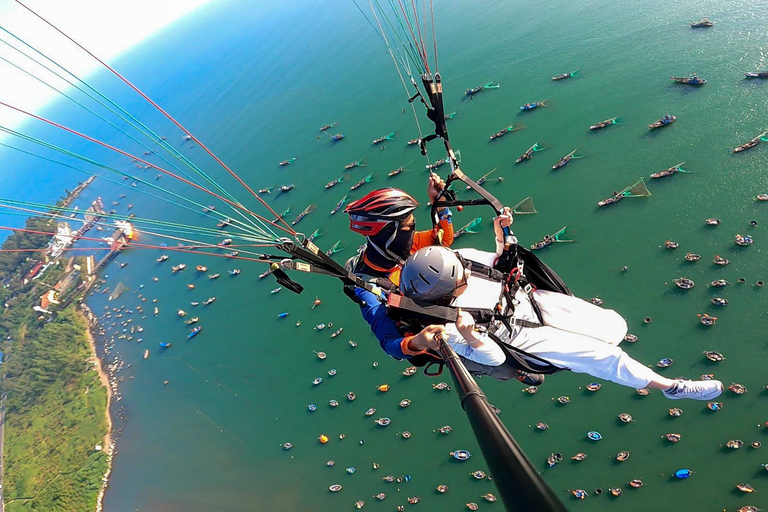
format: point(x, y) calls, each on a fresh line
point(582, 354)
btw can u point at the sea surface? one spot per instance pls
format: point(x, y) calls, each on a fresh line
point(255, 82)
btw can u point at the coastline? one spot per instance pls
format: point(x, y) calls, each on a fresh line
point(109, 447)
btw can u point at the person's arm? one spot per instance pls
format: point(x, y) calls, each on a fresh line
point(504, 220)
point(384, 328)
point(473, 345)
point(445, 222)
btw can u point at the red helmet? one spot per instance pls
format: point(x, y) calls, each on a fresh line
point(372, 213)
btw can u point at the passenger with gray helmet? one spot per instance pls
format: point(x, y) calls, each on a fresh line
point(539, 327)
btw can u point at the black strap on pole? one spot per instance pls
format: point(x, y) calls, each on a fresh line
point(521, 487)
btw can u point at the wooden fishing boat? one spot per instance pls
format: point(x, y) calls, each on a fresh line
point(603, 124)
point(749, 145)
point(564, 160)
point(688, 80)
point(664, 121)
point(435, 165)
point(702, 23)
point(528, 154)
point(714, 356)
point(668, 172)
point(610, 200)
point(684, 283)
point(565, 76)
point(692, 257)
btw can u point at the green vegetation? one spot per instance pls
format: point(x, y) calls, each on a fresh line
point(55, 403)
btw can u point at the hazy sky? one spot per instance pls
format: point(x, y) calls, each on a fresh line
point(108, 28)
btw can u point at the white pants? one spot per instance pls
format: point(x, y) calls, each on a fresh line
point(583, 354)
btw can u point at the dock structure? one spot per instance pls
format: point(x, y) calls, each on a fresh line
point(120, 240)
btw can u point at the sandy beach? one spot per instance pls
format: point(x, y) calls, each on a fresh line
point(108, 444)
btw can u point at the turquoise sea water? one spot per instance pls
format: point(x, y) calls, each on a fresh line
point(255, 84)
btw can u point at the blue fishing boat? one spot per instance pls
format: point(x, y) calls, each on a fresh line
point(461, 455)
point(531, 106)
point(283, 314)
point(195, 331)
point(683, 473)
point(594, 435)
point(165, 344)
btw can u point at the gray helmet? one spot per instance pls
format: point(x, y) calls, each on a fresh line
point(431, 274)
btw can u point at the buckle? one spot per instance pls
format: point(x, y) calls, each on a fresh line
point(528, 288)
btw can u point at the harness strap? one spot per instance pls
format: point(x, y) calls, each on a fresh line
point(522, 360)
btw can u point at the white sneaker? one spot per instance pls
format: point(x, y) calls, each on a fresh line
point(695, 389)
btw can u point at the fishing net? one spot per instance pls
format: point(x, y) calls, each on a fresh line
point(524, 207)
point(636, 190)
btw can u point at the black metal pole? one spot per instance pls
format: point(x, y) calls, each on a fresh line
point(521, 487)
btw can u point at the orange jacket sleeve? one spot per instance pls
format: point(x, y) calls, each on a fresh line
point(426, 238)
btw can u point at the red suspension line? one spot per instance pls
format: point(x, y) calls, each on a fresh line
point(131, 244)
point(167, 115)
point(149, 164)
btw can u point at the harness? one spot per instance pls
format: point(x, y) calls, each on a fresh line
point(416, 314)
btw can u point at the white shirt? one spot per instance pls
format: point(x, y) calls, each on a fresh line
point(479, 293)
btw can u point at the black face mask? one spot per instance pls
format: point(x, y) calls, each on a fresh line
point(390, 246)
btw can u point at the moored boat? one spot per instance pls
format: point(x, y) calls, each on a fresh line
point(532, 105)
point(565, 76)
point(461, 455)
point(738, 389)
point(195, 332)
point(756, 74)
point(603, 124)
point(668, 172)
point(688, 80)
point(611, 200)
point(714, 356)
point(692, 257)
point(664, 121)
point(564, 160)
point(684, 283)
point(702, 23)
point(435, 165)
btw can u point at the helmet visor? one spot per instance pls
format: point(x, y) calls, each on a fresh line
point(367, 227)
